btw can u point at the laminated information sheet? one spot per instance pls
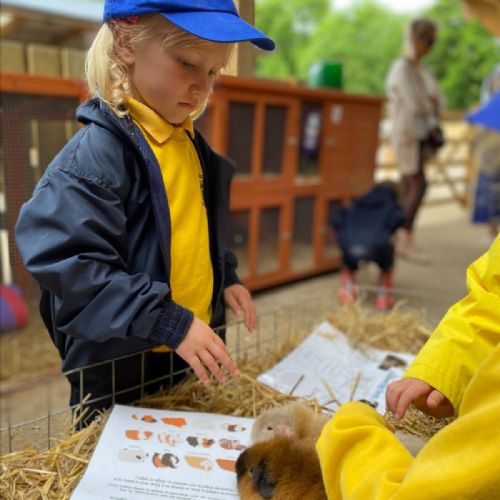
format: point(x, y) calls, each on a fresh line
point(325, 360)
point(145, 453)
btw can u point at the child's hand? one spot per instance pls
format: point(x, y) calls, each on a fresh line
point(202, 348)
point(238, 298)
point(401, 393)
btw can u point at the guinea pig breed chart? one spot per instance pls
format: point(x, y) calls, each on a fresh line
point(148, 453)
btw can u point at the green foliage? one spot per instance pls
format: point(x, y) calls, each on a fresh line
point(464, 55)
point(367, 38)
point(290, 23)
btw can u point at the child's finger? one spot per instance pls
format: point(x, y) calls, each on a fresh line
point(253, 316)
point(208, 361)
point(198, 369)
point(435, 399)
point(222, 356)
point(402, 405)
point(439, 405)
point(393, 394)
point(248, 311)
point(233, 304)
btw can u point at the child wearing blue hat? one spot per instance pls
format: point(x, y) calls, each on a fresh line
point(125, 232)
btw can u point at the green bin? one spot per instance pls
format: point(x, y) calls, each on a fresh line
point(325, 74)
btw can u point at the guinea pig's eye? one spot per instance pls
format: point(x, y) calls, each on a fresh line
point(269, 428)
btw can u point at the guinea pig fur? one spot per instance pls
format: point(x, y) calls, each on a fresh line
point(294, 419)
point(301, 422)
point(281, 469)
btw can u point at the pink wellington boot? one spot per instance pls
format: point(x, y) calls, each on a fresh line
point(385, 299)
point(347, 292)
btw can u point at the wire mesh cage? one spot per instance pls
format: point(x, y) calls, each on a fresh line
point(33, 128)
point(275, 326)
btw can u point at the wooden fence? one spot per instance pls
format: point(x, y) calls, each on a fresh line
point(450, 173)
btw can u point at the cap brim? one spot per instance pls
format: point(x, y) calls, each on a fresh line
point(220, 27)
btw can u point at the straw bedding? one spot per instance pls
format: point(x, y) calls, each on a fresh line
point(53, 474)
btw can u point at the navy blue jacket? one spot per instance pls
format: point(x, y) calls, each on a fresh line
point(365, 226)
point(96, 236)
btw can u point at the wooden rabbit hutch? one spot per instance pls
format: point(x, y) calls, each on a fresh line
point(300, 153)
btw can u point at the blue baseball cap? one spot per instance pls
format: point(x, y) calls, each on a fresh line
point(213, 20)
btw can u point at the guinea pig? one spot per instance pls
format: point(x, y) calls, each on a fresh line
point(292, 420)
point(301, 422)
point(282, 469)
point(411, 442)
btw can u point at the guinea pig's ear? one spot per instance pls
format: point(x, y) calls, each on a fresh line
point(262, 480)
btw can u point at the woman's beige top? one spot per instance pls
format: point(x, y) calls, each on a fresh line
point(413, 106)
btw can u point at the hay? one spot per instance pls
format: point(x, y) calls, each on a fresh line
point(418, 423)
point(398, 330)
point(53, 474)
point(27, 353)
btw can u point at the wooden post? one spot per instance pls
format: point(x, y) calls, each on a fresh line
point(487, 12)
point(242, 60)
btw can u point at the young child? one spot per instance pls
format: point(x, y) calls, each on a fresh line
point(458, 370)
point(125, 232)
point(364, 230)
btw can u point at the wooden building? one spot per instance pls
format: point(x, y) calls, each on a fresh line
point(300, 153)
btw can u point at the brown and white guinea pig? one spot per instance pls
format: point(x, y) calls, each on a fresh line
point(301, 422)
point(293, 420)
point(282, 463)
point(411, 442)
point(281, 469)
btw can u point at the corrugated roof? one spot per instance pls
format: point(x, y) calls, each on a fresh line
point(84, 10)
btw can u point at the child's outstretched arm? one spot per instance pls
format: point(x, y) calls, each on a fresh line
point(401, 393)
point(238, 298)
point(202, 348)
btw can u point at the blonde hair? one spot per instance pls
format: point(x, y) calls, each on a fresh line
point(107, 74)
point(418, 28)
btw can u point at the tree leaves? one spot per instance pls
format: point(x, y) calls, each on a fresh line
point(367, 38)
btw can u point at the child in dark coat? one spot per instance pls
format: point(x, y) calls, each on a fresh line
point(126, 230)
point(364, 230)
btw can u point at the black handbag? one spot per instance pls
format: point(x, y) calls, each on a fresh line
point(435, 138)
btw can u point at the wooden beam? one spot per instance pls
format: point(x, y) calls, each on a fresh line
point(487, 12)
point(286, 89)
point(242, 60)
point(9, 24)
point(43, 17)
point(42, 85)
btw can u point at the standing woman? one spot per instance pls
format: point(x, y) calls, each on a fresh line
point(414, 108)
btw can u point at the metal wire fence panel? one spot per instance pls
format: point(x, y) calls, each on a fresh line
point(276, 327)
point(32, 131)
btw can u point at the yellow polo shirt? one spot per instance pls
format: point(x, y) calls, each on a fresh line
point(191, 274)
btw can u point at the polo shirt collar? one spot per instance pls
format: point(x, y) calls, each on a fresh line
point(153, 124)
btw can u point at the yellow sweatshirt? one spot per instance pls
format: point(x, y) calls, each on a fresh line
point(361, 459)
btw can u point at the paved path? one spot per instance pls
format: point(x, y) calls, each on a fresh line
point(446, 235)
